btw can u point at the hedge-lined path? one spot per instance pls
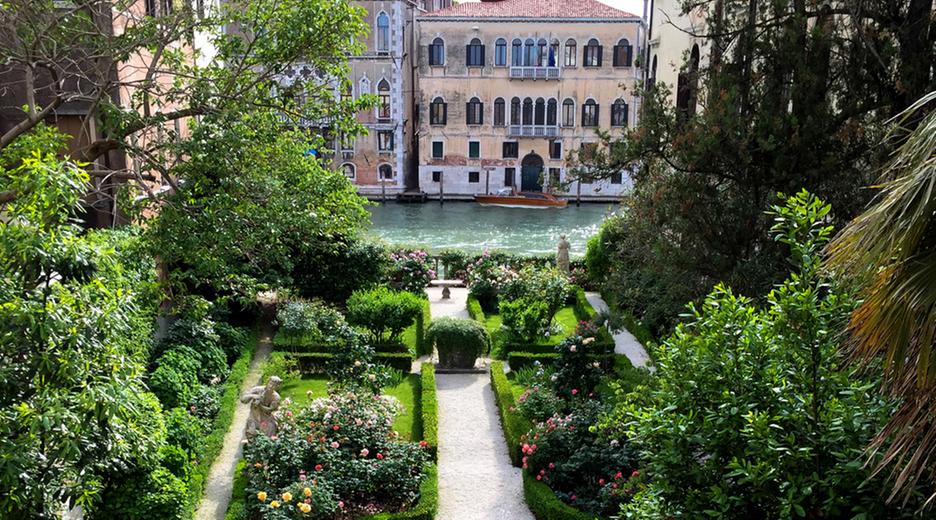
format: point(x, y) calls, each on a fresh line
point(476, 479)
point(624, 342)
point(214, 502)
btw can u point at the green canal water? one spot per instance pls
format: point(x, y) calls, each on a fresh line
point(471, 227)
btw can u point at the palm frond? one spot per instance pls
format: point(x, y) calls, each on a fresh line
point(890, 250)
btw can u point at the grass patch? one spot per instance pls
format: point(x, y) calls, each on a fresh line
point(408, 423)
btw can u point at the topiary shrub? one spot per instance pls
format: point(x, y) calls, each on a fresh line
point(459, 342)
point(175, 379)
point(144, 496)
point(384, 313)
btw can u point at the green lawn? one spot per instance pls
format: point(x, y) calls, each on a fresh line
point(408, 424)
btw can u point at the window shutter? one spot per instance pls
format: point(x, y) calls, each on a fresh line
point(597, 115)
point(468, 120)
point(481, 112)
point(482, 56)
point(583, 113)
point(468, 55)
point(444, 113)
point(630, 55)
point(600, 52)
point(614, 57)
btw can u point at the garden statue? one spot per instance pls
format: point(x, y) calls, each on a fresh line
point(562, 256)
point(263, 401)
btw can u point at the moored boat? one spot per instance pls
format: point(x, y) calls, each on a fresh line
point(523, 199)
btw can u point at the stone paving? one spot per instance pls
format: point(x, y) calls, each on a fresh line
point(624, 342)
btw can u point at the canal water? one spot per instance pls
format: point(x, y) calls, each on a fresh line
point(471, 227)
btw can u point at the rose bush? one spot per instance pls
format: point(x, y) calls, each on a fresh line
point(340, 453)
point(485, 278)
point(410, 270)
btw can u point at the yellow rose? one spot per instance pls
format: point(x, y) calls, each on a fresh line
point(305, 508)
point(287, 496)
point(261, 496)
point(274, 504)
point(307, 492)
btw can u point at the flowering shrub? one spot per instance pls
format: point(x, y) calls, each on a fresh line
point(577, 373)
point(583, 467)
point(353, 367)
point(527, 319)
point(339, 456)
point(410, 271)
point(546, 284)
point(485, 278)
point(587, 329)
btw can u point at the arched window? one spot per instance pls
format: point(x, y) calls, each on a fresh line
point(348, 170)
point(551, 113)
point(438, 112)
point(539, 112)
point(623, 54)
point(590, 113)
point(570, 53)
point(568, 112)
point(687, 85)
point(529, 53)
point(619, 113)
point(542, 53)
point(474, 112)
point(385, 171)
point(516, 53)
point(528, 111)
point(474, 53)
point(383, 100)
point(437, 52)
point(499, 112)
point(383, 33)
point(591, 57)
point(515, 111)
point(500, 53)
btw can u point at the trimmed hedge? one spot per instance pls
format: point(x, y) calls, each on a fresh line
point(430, 408)
point(423, 319)
point(222, 423)
point(513, 424)
point(474, 309)
point(314, 362)
point(428, 503)
point(545, 505)
point(306, 345)
point(583, 310)
point(518, 360)
point(601, 346)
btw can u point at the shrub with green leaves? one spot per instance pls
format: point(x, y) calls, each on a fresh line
point(144, 496)
point(459, 342)
point(526, 319)
point(175, 379)
point(750, 414)
point(313, 321)
point(384, 313)
point(545, 284)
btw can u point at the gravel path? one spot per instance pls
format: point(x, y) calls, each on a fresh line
point(624, 342)
point(456, 306)
point(476, 480)
point(214, 502)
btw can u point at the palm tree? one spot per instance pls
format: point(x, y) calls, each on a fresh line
point(890, 251)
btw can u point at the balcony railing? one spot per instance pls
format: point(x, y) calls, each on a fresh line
point(532, 130)
point(535, 72)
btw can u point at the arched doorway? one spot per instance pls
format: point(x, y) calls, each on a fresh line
point(531, 173)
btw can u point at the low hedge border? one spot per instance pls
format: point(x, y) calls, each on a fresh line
point(545, 505)
point(430, 408)
point(475, 311)
point(222, 423)
point(237, 507)
point(428, 503)
point(583, 310)
point(513, 424)
point(601, 345)
point(422, 323)
point(519, 360)
point(316, 362)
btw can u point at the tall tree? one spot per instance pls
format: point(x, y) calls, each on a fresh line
point(796, 94)
point(890, 250)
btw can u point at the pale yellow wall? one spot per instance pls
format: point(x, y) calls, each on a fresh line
point(457, 84)
point(672, 38)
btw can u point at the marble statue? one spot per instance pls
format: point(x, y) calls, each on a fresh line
point(562, 256)
point(263, 400)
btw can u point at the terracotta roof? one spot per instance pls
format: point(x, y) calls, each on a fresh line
point(531, 9)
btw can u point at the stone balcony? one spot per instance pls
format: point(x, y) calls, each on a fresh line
point(535, 73)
